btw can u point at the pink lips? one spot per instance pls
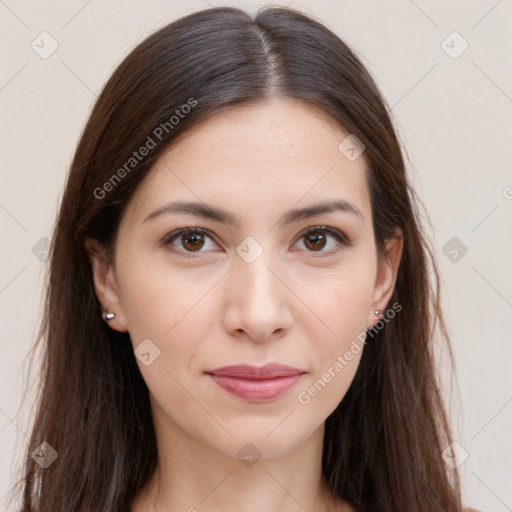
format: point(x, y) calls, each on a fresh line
point(256, 384)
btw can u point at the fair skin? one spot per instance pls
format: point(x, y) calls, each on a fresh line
point(301, 302)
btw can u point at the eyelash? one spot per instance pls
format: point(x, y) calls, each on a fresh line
point(338, 235)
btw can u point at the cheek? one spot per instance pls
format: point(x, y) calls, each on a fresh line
point(164, 307)
point(342, 303)
point(159, 299)
point(349, 310)
point(337, 336)
point(175, 309)
point(335, 356)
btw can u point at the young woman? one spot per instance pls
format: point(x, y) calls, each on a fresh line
point(239, 314)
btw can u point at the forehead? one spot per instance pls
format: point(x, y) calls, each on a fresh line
point(254, 157)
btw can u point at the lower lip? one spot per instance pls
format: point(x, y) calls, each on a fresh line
point(256, 390)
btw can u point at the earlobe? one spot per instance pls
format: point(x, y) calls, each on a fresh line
point(105, 284)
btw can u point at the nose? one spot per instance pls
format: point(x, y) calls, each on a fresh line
point(257, 300)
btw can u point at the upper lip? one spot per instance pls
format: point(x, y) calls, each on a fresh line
point(244, 371)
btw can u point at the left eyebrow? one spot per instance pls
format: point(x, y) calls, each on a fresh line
point(225, 217)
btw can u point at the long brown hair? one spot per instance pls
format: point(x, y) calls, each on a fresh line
point(383, 443)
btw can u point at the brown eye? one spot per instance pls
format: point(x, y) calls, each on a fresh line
point(315, 240)
point(319, 238)
point(187, 241)
point(192, 240)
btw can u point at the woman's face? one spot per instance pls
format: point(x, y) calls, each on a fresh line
point(251, 287)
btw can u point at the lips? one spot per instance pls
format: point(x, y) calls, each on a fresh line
point(255, 384)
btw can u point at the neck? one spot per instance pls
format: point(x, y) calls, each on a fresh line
point(192, 475)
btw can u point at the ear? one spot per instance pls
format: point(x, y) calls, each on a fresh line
point(387, 271)
point(105, 283)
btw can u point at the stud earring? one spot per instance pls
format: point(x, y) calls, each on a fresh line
point(108, 316)
point(377, 313)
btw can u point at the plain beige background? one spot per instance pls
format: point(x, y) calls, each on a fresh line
point(453, 109)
